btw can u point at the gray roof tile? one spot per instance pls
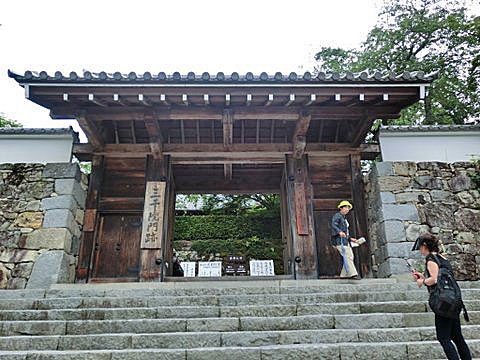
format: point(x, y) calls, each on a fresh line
point(425, 128)
point(176, 77)
point(39, 131)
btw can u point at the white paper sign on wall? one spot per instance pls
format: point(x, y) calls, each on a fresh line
point(262, 268)
point(209, 268)
point(188, 268)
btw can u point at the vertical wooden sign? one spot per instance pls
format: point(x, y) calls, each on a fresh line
point(152, 230)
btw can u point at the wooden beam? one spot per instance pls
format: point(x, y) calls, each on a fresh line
point(320, 132)
point(115, 127)
point(155, 137)
point(197, 125)
point(363, 129)
point(132, 128)
point(182, 131)
point(299, 135)
point(143, 100)
point(117, 99)
point(227, 123)
point(91, 131)
point(241, 113)
point(313, 99)
point(219, 153)
point(163, 99)
point(291, 100)
point(87, 240)
point(228, 171)
point(272, 131)
point(92, 98)
point(270, 100)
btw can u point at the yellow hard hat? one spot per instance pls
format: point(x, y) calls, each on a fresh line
point(345, 203)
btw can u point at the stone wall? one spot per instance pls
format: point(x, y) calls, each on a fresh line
point(406, 199)
point(41, 215)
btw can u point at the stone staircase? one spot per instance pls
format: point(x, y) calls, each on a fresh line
point(274, 319)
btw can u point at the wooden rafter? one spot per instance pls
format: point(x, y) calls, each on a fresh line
point(299, 135)
point(91, 131)
point(182, 131)
point(97, 101)
point(155, 137)
point(132, 129)
point(320, 132)
point(362, 130)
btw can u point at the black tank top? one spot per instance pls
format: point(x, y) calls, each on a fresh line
point(443, 262)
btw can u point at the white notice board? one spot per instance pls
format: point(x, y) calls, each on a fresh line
point(188, 268)
point(262, 268)
point(209, 268)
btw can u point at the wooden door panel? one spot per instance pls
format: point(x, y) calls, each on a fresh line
point(105, 264)
point(129, 253)
point(118, 247)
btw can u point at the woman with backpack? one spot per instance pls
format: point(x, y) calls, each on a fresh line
point(445, 298)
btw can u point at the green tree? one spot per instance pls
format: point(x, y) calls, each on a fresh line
point(424, 35)
point(4, 122)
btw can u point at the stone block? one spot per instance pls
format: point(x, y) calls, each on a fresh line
point(460, 183)
point(374, 351)
point(50, 238)
point(230, 353)
point(71, 187)
point(465, 198)
point(413, 231)
point(402, 212)
point(405, 168)
point(25, 343)
point(467, 220)
point(387, 197)
point(62, 171)
point(214, 324)
point(440, 215)
point(401, 250)
point(33, 205)
point(12, 328)
point(16, 283)
point(149, 354)
point(301, 352)
point(394, 231)
point(427, 182)
point(384, 168)
point(368, 321)
point(176, 341)
point(441, 195)
point(59, 218)
point(79, 216)
point(287, 323)
point(50, 268)
point(22, 270)
point(4, 276)
point(60, 202)
point(393, 183)
point(18, 255)
point(412, 196)
point(467, 238)
point(398, 266)
point(29, 219)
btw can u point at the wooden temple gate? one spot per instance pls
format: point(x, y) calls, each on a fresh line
point(151, 137)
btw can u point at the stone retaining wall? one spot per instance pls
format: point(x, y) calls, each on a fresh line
point(406, 199)
point(41, 215)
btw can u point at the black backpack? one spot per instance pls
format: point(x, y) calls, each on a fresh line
point(446, 297)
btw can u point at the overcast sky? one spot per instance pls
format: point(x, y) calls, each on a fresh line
point(180, 35)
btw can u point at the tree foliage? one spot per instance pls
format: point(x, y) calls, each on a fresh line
point(231, 204)
point(4, 122)
point(422, 35)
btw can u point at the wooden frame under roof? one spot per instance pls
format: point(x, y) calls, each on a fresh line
point(299, 136)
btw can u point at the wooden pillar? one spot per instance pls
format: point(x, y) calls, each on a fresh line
point(300, 210)
point(90, 221)
point(155, 215)
point(360, 213)
point(286, 228)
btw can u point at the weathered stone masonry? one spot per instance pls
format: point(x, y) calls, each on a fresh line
point(406, 199)
point(41, 216)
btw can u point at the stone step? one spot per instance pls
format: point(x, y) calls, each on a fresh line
point(413, 350)
point(165, 312)
point(221, 339)
point(207, 288)
point(222, 324)
point(225, 300)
